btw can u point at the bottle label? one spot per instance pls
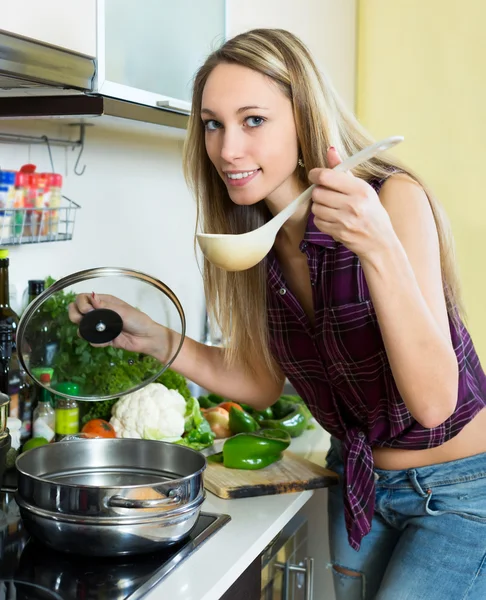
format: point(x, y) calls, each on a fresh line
point(42, 429)
point(67, 420)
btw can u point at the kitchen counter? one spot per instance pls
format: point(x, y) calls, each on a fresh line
point(216, 565)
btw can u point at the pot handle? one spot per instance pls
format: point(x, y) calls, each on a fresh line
point(122, 502)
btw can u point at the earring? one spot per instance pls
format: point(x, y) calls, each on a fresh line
point(300, 162)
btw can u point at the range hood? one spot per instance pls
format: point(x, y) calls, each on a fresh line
point(37, 80)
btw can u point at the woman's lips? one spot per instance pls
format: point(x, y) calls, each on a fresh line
point(241, 181)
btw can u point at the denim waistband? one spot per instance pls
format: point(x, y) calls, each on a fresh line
point(462, 469)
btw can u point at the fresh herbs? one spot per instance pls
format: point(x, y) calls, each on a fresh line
point(97, 371)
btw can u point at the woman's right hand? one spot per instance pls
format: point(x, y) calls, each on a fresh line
point(139, 334)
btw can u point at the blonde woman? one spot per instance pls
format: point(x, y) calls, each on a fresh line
point(357, 305)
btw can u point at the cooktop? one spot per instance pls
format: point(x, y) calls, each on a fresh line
point(31, 571)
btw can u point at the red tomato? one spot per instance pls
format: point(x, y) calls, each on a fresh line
point(100, 428)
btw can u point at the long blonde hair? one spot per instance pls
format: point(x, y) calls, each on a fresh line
point(236, 301)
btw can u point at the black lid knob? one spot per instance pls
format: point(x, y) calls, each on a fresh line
point(100, 326)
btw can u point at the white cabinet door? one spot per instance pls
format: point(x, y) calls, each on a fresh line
point(154, 47)
point(69, 24)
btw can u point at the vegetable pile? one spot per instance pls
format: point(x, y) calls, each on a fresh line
point(163, 410)
point(289, 414)
point(256, 438)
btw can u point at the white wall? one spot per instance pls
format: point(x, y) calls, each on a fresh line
point(327, 27)
point(136, 209)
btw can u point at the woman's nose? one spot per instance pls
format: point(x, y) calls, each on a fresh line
point(233, 146)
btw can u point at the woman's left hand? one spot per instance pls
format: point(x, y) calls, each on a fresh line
point(348, 209)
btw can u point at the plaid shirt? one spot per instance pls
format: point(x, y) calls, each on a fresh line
point(341, 369)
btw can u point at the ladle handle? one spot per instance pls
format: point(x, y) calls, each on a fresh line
point(367, 153)
point(289, 210)
point(346, 165)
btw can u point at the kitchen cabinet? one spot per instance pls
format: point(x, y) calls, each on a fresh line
point(146, 53)
point(69, 25)
point(283, 571)
point(150, 56)
point(248, 584)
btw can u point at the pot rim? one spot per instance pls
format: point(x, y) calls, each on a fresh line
point(4, 400)
point(183, 478)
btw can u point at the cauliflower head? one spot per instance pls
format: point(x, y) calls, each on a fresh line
point(152, 413)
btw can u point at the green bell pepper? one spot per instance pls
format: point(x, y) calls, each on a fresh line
point(210, 401)
point(253, 451)
point(241, 422)
point(289, 416)
point(262, 415)
point(298, 400)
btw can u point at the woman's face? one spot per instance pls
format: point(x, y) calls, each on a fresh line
point(250, 135)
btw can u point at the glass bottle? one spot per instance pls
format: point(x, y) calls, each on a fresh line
point(22, 389)
point(67, 410)
point(44, 416)
point(43, 351)
point(5, 355)
point(21, 186)
point(35, 287)
point(7, 315)
point(55, 199)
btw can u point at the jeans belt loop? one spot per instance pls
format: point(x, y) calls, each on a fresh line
point(412, 474)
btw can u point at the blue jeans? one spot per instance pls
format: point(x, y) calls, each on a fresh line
point(428, 536)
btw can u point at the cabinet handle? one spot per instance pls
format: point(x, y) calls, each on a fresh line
point(307, 570)
point(174, 105)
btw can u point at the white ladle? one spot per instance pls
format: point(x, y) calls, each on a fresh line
point(237, 252)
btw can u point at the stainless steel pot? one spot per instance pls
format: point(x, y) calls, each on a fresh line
point(104, 497)
point(108, 497)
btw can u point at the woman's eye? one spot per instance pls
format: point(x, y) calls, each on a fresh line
point(255, 121)
point(211, 125)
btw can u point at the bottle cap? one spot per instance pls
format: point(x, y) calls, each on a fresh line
point(38, 371)
point(14, 424)
point(7, 177)
point(67, 387)
point(3, 253)
point(21, 179)
point(54, 179)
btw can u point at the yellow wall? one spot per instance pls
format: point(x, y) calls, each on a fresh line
point(422, 74)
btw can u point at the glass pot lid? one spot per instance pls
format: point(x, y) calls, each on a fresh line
point(66, 359)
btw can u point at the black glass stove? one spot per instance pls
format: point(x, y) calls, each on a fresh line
point(31, 571)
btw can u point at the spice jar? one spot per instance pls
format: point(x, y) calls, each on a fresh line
point(67, 410)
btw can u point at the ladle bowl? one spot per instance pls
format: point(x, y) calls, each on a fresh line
point(238, 252)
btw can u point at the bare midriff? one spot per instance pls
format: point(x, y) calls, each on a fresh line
point(469, 442)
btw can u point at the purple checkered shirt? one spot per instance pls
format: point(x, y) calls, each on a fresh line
point(341, 369)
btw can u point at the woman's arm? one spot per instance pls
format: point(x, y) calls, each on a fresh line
point(405, 284)
point(396, 240)
point(204, 365)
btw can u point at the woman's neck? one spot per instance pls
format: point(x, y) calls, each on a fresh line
point(293, 229)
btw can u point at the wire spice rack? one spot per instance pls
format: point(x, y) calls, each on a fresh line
point(20, 224)
point(36, 225)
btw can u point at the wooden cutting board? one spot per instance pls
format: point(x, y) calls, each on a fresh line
point(290, 474)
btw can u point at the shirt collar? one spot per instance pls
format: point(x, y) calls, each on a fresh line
point(314, 236)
